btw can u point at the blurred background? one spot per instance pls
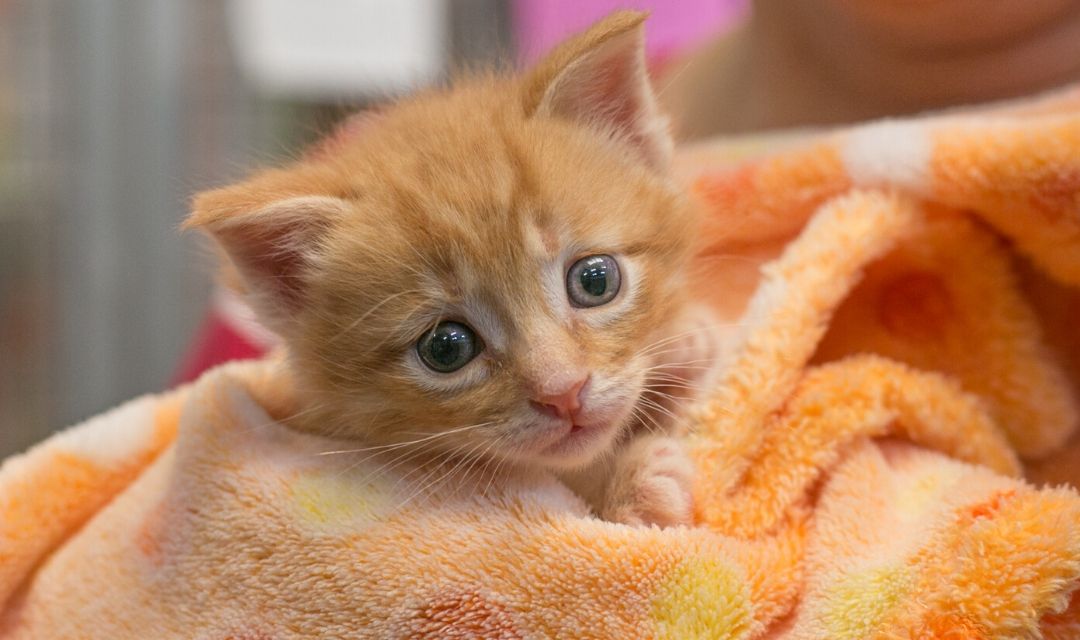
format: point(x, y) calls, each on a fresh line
point(114, 112)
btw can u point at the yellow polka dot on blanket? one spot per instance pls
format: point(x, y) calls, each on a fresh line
point(856, 607)
point(330, 498)
point(924, 492)
point(702, 598)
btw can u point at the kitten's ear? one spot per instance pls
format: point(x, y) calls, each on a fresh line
point(599, 79)
point(272, 242)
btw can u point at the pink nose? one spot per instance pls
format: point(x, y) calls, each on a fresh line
point(562, 404)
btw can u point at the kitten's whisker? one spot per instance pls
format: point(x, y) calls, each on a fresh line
point(689, 364)
point(506, 461)
point(431, 478)
point(457, 464)
point(652, 371)
point(380, 470)
point(399, 459)
point(503, 459)
point(342, 369)
point(732, 257)
point(667, 396)
point(656, 353)
point(661, 349)
point(483, 460)
point(705, 326)
point(284, 420)
point(651, 426)
point(670, 412)
point(425, 446)
point(396, 445)
point(465, 465)
point(424, 260)
point(650, 348)
point(652, 355)
point(423, 469)
point(370, 311)
point(670, 79)
point(662, 409)
point(639, 416)
point(420, 448)
point(669, 380)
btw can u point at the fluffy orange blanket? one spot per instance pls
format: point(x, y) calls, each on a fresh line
point(904, 300)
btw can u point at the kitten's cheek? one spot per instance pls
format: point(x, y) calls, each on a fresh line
point(608, 416)
point(613, 402)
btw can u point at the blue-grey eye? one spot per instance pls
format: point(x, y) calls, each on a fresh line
point(593, 281)
point(448, 347)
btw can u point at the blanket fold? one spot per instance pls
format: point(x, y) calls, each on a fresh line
point(902, 303)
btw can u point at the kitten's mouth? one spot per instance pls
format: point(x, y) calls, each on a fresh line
point(582, 438)
point(579, 440)
point(572, 439)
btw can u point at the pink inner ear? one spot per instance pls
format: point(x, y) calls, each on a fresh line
point(620, 98)
point(606, 92)
point(272, 248)
point(609, 89)
point(270, 259)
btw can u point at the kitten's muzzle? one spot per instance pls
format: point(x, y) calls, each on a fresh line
point(563, 404)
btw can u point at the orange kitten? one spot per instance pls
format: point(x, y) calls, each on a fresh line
point(495, 270)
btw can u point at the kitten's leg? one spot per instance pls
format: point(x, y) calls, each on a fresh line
point(650, 484)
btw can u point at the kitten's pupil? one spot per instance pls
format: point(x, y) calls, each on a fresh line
point(448, 347)
point(593, 281)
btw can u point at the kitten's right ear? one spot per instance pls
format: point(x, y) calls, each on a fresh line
point(598, 79)
point(271, 241)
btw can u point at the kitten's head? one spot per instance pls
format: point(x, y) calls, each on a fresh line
point(502, 254)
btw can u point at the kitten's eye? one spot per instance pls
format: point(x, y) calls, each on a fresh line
point(448, 347)
point(593, 281)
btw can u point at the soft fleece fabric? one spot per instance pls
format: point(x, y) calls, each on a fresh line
point(904, 301)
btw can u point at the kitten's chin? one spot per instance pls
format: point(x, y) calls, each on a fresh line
point(577, 445)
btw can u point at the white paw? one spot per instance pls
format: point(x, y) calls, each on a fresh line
point(652, 485)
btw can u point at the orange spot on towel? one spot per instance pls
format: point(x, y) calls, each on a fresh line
point(166, 423)
point(1065, 624)
point(724, 187)
point(66, 484)
point(464, 614)
point(148, 535)
point(989, 508)
point(947, 626)
point(916, 305)
point(1056, 194)
point(248, 635)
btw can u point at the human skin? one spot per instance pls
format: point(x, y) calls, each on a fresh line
point(822, 62)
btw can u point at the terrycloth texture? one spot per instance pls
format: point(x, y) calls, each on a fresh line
point(859, 462)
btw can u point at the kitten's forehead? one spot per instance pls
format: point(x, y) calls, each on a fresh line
point(507, 269)
point(540, 239)
point(486, 218)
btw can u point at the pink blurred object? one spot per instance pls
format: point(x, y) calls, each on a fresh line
point(229, 332)
point(674, 25)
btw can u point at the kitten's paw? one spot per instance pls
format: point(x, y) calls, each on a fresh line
point(652, 484)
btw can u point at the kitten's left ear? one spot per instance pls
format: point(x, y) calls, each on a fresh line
point(271, 231)
point(598, 79)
